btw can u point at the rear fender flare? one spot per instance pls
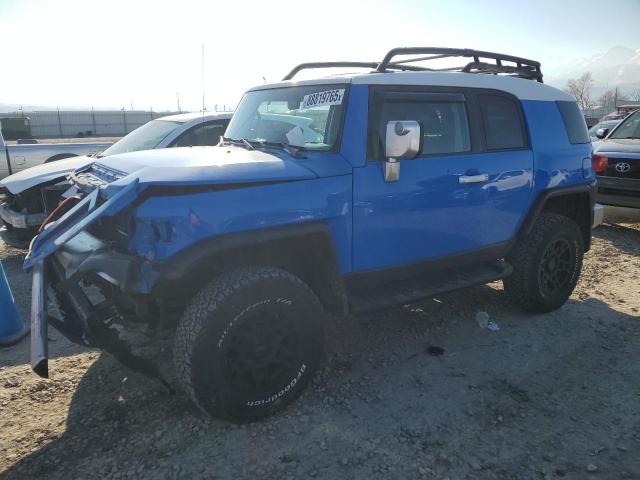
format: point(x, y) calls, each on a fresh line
point(546, 197)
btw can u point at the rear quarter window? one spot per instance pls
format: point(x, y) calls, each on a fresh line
point(503, 127)
point(574, 122)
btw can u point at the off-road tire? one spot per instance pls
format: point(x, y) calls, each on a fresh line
point(222, 319)
point(528, 286)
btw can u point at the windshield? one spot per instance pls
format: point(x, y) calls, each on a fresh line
point(629, 128)
point(308, 117)
point(146, 137)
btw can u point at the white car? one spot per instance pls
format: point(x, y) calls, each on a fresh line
point(30, 195)
point(20, 157)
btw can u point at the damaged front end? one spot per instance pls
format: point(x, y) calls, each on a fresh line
point(79, 278)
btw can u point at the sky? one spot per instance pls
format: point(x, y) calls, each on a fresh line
point(146, 54)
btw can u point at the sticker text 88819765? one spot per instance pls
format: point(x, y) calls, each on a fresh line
point(319, 99)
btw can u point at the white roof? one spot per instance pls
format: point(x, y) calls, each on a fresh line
point(187, 117)
point(519, 87)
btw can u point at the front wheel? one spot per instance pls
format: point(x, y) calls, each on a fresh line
point(249, 342)
point(547, 264)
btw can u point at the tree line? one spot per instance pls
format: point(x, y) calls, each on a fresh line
point(581, 88)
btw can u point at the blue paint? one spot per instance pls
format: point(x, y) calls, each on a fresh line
point(354, 134)
point(197, 216)
point(428, 213)
point(374, 224)
point(557, 162)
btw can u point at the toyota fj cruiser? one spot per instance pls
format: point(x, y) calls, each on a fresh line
point(327, 196)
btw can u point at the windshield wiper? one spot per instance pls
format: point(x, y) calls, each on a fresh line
point(247, 144)
point(293, 150)
point(239, 141)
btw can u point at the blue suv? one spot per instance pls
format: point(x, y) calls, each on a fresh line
point(329, 196)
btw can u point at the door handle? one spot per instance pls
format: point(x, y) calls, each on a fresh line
point(464, 179)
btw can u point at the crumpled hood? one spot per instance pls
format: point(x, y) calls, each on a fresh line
point(30, 177)
point(619, 145)
point(205, 165)
point(173, 166)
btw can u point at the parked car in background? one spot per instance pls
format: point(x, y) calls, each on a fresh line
point(617, 163)
point(15, 158)
point(621, 112)
point(590, 121)
point(32, 194)
point(608, 124)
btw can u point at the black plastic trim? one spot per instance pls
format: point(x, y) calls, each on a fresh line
point(177, 190)
point(371, 278)
point(543, 197)
point(271, 246)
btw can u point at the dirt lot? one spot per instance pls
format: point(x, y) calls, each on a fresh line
point(545, 397)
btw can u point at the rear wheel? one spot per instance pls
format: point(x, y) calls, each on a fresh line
point(547, 264)
point(249, 342)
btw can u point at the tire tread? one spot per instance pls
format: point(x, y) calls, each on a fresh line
point(204, 304)
point(524, 258)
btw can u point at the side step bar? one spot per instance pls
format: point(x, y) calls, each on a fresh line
point(428, 285)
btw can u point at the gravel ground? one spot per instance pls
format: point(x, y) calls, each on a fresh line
point(414, 392)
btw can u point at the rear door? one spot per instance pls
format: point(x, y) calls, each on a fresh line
point(466, 191)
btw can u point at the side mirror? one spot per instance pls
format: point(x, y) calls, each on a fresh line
point(402, 142)
point(602, 132)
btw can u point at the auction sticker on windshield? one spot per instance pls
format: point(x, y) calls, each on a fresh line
point(319, 99)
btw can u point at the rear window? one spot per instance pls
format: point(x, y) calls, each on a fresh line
point(502, 123)
point(574, 122)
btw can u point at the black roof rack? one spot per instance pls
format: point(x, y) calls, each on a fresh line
point(523, 67)
point(520, 67)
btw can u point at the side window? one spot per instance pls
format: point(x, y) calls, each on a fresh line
point(502, 123)
point(445, 127)
point(202, 135)
point(574, 123)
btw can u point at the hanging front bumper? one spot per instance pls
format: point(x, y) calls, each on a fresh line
point(39, 341)
point(58, 278)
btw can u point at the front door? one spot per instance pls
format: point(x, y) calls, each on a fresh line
point(467, 189)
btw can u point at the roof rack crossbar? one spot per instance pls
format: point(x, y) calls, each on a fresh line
point(305, 66)
point(420, 59)
point(524, 68)
point(370, 65)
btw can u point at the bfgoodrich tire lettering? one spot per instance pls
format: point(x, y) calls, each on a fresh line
point(547, 264)
point(249, 342)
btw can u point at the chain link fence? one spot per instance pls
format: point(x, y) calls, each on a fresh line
point(88, 123)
